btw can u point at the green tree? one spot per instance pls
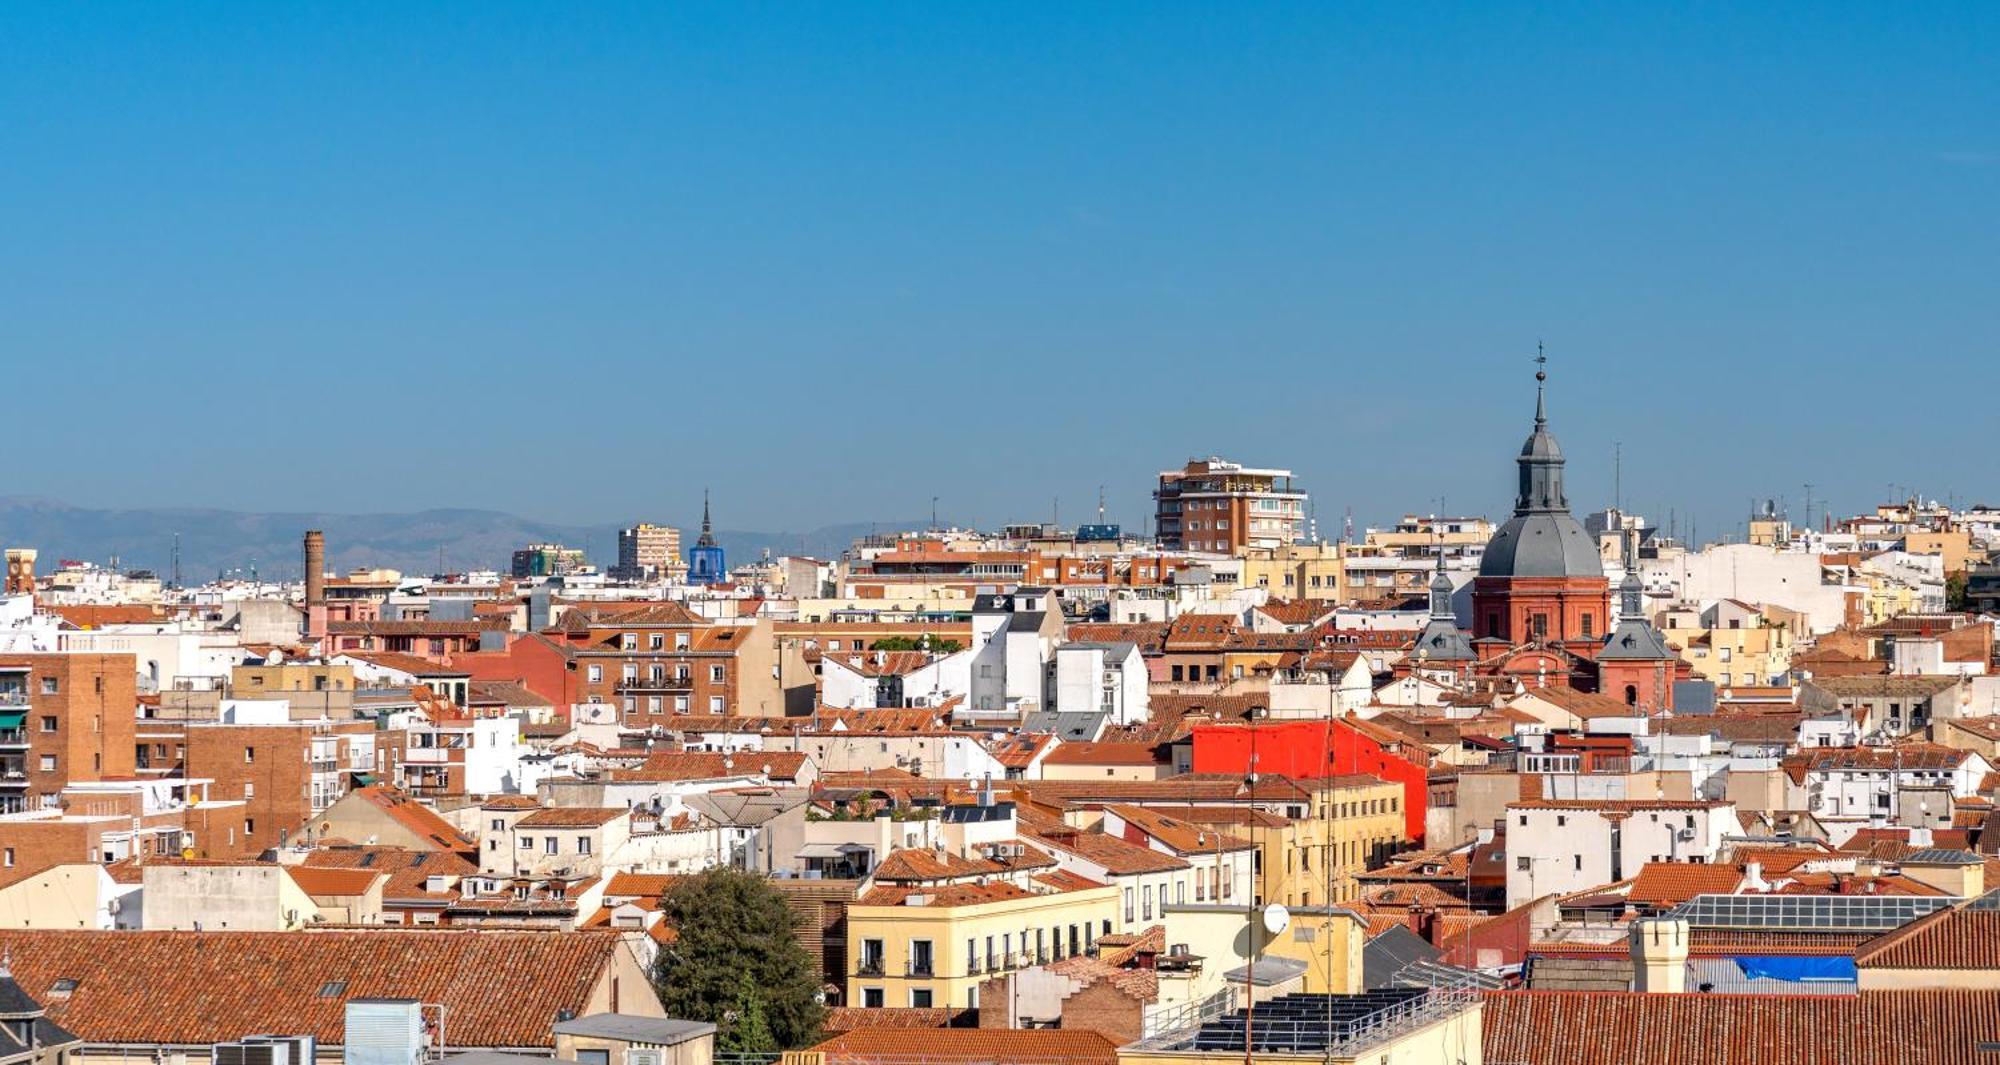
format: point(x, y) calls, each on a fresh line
point(737, 962)
point(745, 1030)
point(1954, 591)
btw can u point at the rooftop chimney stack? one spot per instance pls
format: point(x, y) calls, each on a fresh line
point(315, 584)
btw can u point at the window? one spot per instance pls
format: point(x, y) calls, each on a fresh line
point(552, 845)
point(49, 724)
point(499, 824)
point(48, 763)
point(583, 844)
point(9, 857)
point(1148, 913)
point(527, 843)
point(249, 755)
point(1523, 863)
point(1541, 625)
point(1579, 863)
point(596, 674)
point(50, 686)
point(249, 789)
point(249, 827)
point(871, 997)
point(332, 989)
point(657, 641)
point(717, 673)
point(1129, 915)
point(1588, 626)
point(920, 998)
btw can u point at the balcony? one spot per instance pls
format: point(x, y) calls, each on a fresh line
point(13, 739)
point(868, 967)
point(432, 755)
point(920, 968)
point(654, 684)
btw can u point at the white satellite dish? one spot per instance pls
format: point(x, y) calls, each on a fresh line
point(1276, 918)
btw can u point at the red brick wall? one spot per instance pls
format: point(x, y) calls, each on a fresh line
point(94, 714)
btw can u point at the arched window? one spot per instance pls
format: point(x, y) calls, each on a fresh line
point(1631, 695)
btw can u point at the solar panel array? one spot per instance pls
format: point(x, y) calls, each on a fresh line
point(1826, 913)
point(1302, 1022)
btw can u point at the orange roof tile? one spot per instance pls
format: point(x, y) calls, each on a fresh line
point(500, 989)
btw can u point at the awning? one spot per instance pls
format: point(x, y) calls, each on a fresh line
point(828, 850)
point(12, 718)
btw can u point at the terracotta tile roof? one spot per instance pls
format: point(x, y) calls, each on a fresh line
point(849, 1018)
point(403, 663)
point(663, 766)
point(626, 615)
point(1956, 938)
point(500, 989)
point(1185, 837)
point(415, 816)
point(1142, 985)
point(1662, 884)
point(639, 885)
point(327, 880)
point(1616, 1028)
point(511, 802)
point(1084, 752)
point(942, 895)
point(572, 817)
point(1583, 704)
point(970, 1046)
point(1907, 755)
point(1019, 751)
point(1115, 855)
point(408, 870)
point(918, 865)
point(1147, 635)
point(1618, 805)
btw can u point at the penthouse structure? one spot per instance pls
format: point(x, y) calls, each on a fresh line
point(1225, 507)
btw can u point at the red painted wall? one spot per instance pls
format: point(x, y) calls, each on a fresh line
point(1309, 749)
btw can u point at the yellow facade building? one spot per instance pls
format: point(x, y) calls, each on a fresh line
point(933, 945)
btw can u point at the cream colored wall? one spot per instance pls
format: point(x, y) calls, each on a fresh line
point(948, 928)
point(64, 896)
point(1930, 979)
point(1102, 772)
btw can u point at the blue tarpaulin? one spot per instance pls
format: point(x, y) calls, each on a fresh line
point(1797, 968)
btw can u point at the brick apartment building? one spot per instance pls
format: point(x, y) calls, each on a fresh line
point(657, 660)
point(283, 773)
point(73, 717)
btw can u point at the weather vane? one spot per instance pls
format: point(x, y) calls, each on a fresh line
point(1541, 362)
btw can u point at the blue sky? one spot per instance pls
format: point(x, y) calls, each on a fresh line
point(575, 261)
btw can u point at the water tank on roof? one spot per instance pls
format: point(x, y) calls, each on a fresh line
point(384, 1032)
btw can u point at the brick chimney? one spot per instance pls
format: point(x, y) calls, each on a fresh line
point(315, 565)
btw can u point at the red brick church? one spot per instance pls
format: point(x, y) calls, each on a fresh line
point(1541, 605)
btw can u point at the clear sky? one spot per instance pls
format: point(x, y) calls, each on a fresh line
point(576, 260)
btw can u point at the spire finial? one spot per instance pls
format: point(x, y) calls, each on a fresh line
point(704, 509)
point(1541, 376)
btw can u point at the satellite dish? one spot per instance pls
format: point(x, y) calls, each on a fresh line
point(1277, 918)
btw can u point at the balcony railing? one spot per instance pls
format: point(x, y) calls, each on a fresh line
point(920, 968)
point(654, 684)
point(869, 967)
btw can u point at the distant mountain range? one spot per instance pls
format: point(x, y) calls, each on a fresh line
point(217, 540)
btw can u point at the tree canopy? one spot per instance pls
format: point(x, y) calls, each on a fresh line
point(737, 963)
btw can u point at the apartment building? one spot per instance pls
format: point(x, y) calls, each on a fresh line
point(77, 716)
point(648, 552)
point(657, 660)
point(1219, 506)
